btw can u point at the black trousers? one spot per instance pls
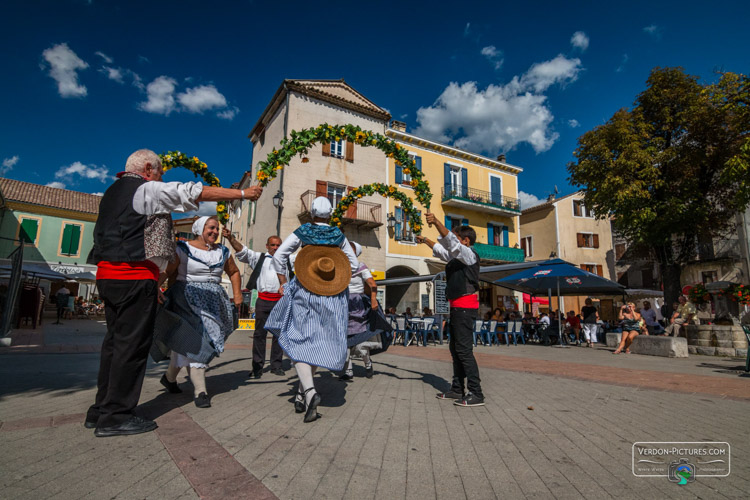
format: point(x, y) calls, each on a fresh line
point(262, 311)
point(461, 346)
point(130, 309)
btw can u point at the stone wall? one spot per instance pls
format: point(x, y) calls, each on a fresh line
point(716, 340)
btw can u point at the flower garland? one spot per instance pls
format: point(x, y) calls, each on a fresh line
point(300, 142)
point(415, 220)
point(738, 293)
point(174, 159)
point(699, 294)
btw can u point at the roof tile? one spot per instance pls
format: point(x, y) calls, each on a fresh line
point(36, 194)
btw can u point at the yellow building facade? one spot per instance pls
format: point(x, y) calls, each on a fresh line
point(468, 189)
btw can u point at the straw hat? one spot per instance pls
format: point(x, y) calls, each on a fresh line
point(323, 270)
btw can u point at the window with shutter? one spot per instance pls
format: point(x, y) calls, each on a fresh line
point(337, 148)
point(71, 239)
point(29, 230)
point(600, 270)
point(349, 151)
point(326, 149)
point(321, 188)
point(579, 239)
point(595, 240)
point(527, 245)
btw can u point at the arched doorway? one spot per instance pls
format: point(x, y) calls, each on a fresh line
point(402, 296)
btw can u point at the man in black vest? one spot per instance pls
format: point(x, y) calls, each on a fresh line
point(266, 281)
point(127, 274)
point(462, 276)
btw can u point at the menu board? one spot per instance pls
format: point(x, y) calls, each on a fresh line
point(441, 304)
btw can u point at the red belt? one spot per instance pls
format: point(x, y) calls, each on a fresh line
point(270, 296)
point(142, 270)
point(470, 301)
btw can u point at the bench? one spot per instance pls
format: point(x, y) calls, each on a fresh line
point(614, 339)
point(653, 345)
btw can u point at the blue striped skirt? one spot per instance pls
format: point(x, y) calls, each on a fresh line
point(311, 328)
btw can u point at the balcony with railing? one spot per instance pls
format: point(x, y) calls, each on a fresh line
point(475, 199)
point(363, 214)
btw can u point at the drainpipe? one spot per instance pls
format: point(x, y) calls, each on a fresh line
point(281, 179)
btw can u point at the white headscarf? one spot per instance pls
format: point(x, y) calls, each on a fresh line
point(357, 248)
point(199, 224)
point(321, 207)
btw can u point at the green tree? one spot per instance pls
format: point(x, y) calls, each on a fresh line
point(673, 170)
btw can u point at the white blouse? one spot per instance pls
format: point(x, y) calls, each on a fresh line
point(359, 278)
point(191, 270)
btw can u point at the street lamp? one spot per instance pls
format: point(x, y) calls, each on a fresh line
point(391, 221)
point(278, 199)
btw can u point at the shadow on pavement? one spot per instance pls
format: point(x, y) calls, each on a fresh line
point(439, 383)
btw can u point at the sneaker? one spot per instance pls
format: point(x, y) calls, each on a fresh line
point(470, 400)
point(134, 425)
point(172, 387)
point(450, 395)
point(369, 372)
point(202, 400)
point(279, 372)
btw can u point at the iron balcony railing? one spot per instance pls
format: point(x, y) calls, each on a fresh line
point(363, 213)
point(482, 197)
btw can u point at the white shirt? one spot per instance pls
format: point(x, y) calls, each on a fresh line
point(292, 243)
point(359, 278)
point(448, 247)
point(268, 280)
point(649, 315)
point(190, 270)
point(155, 197)
point(545, 320)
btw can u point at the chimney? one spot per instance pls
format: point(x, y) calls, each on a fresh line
point(399, 126)
point(551, 197)
point(501, 157)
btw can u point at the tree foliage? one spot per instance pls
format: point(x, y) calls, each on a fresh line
point(673, 170)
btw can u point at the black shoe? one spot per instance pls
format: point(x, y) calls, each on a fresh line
point(255, 375)
point(312, 414)
point(299, 402)
point(90, 423)
point(202, 401)
point(279, 372)
point(470, 400)
point(450, 395)
point(369, 372)
point(172, 387)
point(346, 377)
point(134, 425)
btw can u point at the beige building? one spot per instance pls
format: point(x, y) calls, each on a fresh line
point(566, 228)
point(332, 169)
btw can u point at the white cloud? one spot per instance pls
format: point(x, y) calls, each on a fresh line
point(138, 82)
point(228, 114)
point(8, 164)
point(202, 98)
point(528, 200)
point(85, 171)
point(113, 73)
point(621, 67)
point(55, 184)
point(580, 40)
point(573, 123)
point(104, 56)
point(98, 194)
point(63, 66)
point(493, 55)
point(467, 29)
point(543, 75)
point(205, 208)
point(500, 116)
point(160, 96)
point(654, 31)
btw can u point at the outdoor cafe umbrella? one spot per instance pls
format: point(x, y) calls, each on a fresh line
point(566, 278)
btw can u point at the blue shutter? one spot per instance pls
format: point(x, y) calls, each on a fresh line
point(447, 179)
point(505, 236)
point(418, 162)
point(448, 223)
point(399, 218)
point(490, 234)
point(464, 183)
point(496, 191)
point(465, 222)
point(399, 174)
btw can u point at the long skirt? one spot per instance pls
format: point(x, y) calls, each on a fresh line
point(360, 333)
point(311, 328)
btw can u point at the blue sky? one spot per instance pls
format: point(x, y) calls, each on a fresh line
point(88, 82)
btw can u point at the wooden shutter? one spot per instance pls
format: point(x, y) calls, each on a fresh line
point(326, 149)
point(599, 270)
point(349, 151)
point(399, 173)
point(70, 240)
point(505, 236)
point(447, 178)
point(351, 212)
point(523, 247)
point(464, 183)
point(596, 241)
point(321, 188)
point(418, 162)
point(577, 208)
point(490, 234)
point(29, 228)
point(579, 239)
point(464, 222)
point(448, 223)
point(399, 221)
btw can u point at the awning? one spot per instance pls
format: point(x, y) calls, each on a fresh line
point(84, 277)
point(502, 254)
point(486, 273)
point(35, 271)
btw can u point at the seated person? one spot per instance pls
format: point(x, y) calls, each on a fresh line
point(574, 325)
point(682, 315)
point(649, 315)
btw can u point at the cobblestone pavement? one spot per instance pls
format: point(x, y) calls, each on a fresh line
point(559, 423)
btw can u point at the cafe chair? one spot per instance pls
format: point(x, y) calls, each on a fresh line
point(479, 331)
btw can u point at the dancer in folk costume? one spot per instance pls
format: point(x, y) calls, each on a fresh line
point(310, 320)
point(360, 336)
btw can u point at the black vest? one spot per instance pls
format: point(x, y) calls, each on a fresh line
point(461, 279)
point(118, 234)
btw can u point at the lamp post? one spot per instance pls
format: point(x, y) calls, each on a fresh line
point(278, 202)
point(391, 221)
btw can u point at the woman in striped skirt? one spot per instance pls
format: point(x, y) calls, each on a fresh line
point(311, 321)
